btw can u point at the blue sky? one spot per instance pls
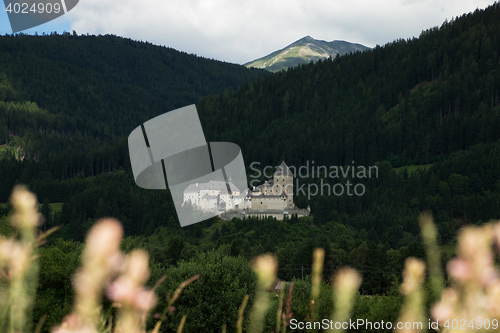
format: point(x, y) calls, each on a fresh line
point(241, 31)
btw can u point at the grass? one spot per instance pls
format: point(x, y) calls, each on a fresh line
point(449, 249)
point(412, 168)
point(4, 148)
point(56, 206)
point(287, 57)
point(8, 148)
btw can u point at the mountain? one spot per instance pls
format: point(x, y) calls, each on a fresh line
point(108, 84)
point(66, 97)
point(69, 104)
point(425, 111)
point(303, 51)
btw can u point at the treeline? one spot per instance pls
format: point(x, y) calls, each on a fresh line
point(463, 188)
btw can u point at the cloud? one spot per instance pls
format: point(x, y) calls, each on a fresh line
point(240, 31)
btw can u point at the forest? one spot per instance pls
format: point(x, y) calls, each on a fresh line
point(425, 111)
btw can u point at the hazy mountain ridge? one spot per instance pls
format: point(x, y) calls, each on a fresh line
point(303, 51)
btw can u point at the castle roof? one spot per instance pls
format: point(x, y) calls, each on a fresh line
point(242, 194)
point(266, 184)
point(211, 185)
point(268, 196)
point(209, 197)
point(283, 170)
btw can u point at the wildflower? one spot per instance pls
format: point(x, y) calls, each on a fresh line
point(266, 267)
point(26, 216)
point(413, 275)
point(101, 260)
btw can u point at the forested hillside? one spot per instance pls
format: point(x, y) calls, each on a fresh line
point(408, 101)
point(66, 100)
point(67, 104)
point(109, 84)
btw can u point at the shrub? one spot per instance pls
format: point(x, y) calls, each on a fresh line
point(214, 299)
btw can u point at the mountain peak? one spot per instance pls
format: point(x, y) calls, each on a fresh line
point(302, 51)
point(307, 38)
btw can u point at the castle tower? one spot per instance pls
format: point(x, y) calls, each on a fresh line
point(283, 182)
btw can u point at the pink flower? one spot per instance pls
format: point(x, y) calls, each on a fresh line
point(144, 300)
point(122, 290)
point(441, 312)
point(460, 270)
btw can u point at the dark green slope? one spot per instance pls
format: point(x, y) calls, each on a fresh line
point(110, 84)
point(409, 101)
point(66, 100)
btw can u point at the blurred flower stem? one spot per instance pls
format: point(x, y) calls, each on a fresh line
point(429, 234)
point(266, 267)
point(317, 276)
point(346, 284)
point(413, 307)
point(19, 265)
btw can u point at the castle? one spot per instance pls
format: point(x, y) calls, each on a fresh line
point(273, 194)
point(273, 198)
point(216, 196)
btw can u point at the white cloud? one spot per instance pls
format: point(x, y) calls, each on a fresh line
point(240, 31)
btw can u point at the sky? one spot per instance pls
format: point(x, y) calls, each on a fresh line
point(241, 31)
